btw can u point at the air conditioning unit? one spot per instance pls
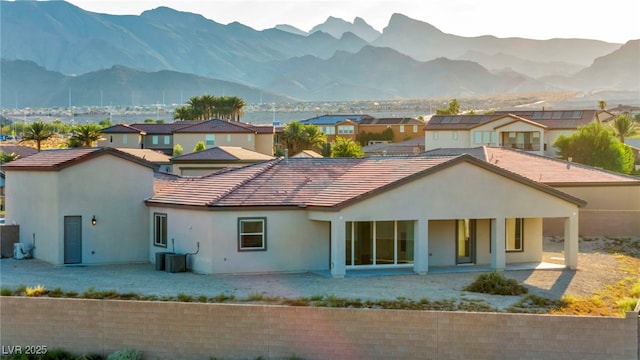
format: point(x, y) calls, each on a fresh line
point(175, 263)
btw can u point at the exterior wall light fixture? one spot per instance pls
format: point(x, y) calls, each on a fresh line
point(94, 221)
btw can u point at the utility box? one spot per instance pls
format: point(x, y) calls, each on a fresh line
point(175, 263)
point(160, 263)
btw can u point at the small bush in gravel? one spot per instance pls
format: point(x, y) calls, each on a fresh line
point(495, 283)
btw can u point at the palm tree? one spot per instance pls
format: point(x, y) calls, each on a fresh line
point(85, 135)
point(623, 127)
point(312, 137)
point(183, 113)
point(293, 136)
point(38, 132)
point(237, 108)
point(602, 105)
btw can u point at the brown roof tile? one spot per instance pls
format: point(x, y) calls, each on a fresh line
point(54, 160)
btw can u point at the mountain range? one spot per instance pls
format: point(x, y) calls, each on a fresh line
point(55, 53)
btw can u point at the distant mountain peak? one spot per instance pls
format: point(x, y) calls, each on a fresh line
point(336, 27)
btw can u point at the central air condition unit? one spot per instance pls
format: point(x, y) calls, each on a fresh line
point(175, 263)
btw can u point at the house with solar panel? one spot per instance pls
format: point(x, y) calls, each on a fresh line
point(531, 130)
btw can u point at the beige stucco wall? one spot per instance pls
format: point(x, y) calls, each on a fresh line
point(294, 243)
point(447, 139)
point(188, 141)
point(264, 144)
point(111, 188)
point(32, 198)
point(133, 141)
point(172, 330)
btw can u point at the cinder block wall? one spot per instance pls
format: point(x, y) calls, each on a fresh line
point(619, 223)
point(171, 330)
point(9, 235)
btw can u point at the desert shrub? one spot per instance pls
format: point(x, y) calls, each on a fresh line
point(5, 291)
point(495, 283)
point(37, 290)
point(126, 354)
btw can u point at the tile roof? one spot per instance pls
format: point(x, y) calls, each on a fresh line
point(412, 146)
point(307, 154)
point(304, 182)
point(334, 119)
point(218, 126)
point(223, 153)
point(22, 151)
point(151, 155)
point(552, 119)
point(166, 128)
point(123, 129)
point(539, 168)
point(54, 160)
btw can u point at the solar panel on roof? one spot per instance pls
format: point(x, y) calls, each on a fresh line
point(576, 115)
point(557, 115)
point(537, 115)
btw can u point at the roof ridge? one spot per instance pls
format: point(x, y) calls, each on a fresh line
point(270, 165)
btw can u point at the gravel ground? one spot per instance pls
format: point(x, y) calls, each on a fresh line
point(597, 267)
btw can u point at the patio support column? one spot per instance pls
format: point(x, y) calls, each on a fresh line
point(421, 247)
point(338, 246)
point(498, 251)
point(571, 241)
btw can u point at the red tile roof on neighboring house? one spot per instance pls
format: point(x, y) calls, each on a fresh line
point(54, 160)
point(540, 168)
point(123, 129)
point(223, 153)
point(21, 151)
point(219, 126)
point(322, 183)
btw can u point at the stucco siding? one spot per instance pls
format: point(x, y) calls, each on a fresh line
point(112, 189)
point(32, 198)
point(293, 242)
point(447, 139)
point(264, 144)
point(189, 141)
point(616, 197)
point(442, 243)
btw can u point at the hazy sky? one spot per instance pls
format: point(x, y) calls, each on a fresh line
point(610, 20)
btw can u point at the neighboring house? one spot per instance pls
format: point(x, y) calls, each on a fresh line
point(634, 144)
point(214, 159)
point(218, 132)
point(156, 157)
point(188, 133)
point(81, 206)
point(613, 200)
point(533, 131)
point(409, 147)
point(403, 128)
point(344, 214)
point(307, 154)
point(2, 181)
point(345, 126)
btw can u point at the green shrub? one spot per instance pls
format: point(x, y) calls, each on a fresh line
point(126, 354)
point(5, 291)
point(495, 283)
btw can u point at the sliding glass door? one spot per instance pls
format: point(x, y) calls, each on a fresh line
point(379, 243)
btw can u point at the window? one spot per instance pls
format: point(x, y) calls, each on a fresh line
point(110, 138)
point(160, 229)
point(454, 135)
point(345, 129)
point(485, 137)
point(328, 130)
point(514, 233)
point(167, 139)
point(154, 139)
point(209, 140)
point(252, 234)
point(228, 138)
point(249, 137)
point(415, 128)
point(435, 135)
point(379, 243)
point(124, 139)
point(401, 128)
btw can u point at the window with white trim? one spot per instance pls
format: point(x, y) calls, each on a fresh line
point(346, 129)
point(485, 137)
point(401, 128)
point(514, 234)
point(415, 129)
point(209, 140)
point(167, 139)
point(160, 229)
point(252, 234)
point(154, 139)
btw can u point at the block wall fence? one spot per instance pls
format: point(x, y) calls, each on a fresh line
point(173, 330)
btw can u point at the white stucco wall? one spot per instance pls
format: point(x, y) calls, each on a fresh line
point(448, 139)
point(111, 188)
point(294, 243)
point(32, 199)
point(188, 141)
